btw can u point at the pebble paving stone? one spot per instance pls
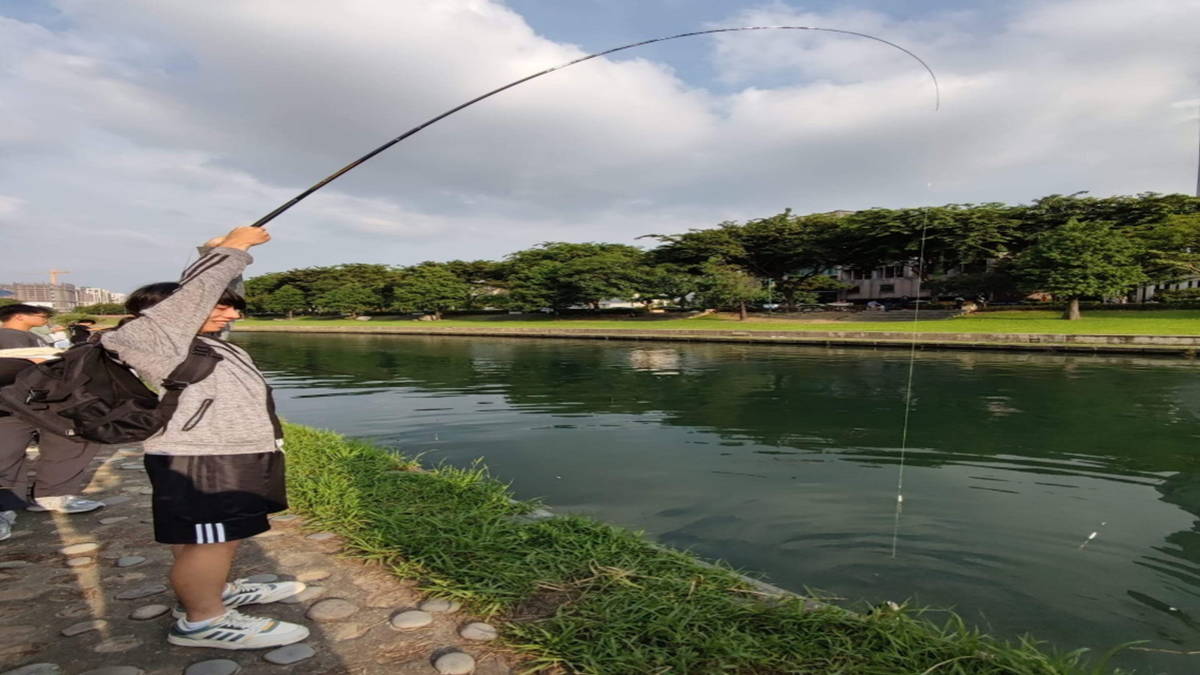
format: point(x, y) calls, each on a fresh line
point(130, 560)
point(79, 549)
point(119, 499)
point(113, 519)
point(441, 605)
point(36, 669)
point(13, 564)
point(332, 609)
point(321, 536)
point(131, 466)
point(213, 667)
point(80, 562)
point(115, 670)
point(413, 618)
point(455, 663)
point(290, 654)
point(114, 645)
point(263, 578)
point(304, 595)
point(146, 491)
point(83, 627)
point(479, 631)
point(148, 612)
point(141, 592)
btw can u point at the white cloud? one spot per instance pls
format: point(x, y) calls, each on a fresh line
point(10, 206)
point(145, 126)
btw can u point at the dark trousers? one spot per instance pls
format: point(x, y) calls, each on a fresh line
point(63, 468)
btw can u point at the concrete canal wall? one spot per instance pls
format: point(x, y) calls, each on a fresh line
point(1178, 345)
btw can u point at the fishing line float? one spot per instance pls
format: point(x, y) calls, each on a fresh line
point(335, 175)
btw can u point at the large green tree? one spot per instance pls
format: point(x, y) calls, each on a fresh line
point(729, 286)
point(484, 281)
point(558, 275)
point(430, 287)
point(286, 300)
point(349, 299)
point(1080, 259)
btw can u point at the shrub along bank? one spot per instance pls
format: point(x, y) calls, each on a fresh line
point(592, 598)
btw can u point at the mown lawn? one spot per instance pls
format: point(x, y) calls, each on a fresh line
point(1099, 322)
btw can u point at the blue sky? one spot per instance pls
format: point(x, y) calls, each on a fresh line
point(133, 130)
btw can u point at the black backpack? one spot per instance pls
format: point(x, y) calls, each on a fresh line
point(89, 395)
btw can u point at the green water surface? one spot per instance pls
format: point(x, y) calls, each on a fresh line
point(786, 461)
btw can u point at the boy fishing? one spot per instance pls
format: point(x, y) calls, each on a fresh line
point(217, 468)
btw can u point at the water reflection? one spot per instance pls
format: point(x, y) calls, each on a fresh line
point(784, 460)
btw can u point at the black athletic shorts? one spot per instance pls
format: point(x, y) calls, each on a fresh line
point(208, 499)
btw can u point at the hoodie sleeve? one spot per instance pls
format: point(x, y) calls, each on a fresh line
point(164, 332)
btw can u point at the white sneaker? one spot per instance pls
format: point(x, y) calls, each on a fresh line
point(249, 593)
point(238, 631)
point(64, 504)
point(7, 518)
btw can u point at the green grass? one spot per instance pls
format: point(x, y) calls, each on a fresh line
point(591, 598)
point(1099, 322)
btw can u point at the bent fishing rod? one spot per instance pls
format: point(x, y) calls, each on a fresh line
point(337, 174)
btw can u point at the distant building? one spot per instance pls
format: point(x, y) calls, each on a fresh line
point(95, 296)
point(60, 297)
point(882, 283)
point(1146, 292)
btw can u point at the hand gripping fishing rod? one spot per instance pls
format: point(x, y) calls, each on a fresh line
point(335, 175)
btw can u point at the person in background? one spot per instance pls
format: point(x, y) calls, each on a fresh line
point(217, 469)
point(63, 464)
point(58, 337)
point(81, 330)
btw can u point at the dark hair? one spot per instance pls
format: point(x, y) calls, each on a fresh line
point(151, 294)
point(9, 311)
point(82, 321)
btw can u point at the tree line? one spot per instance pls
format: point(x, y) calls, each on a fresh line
point(1070, 246)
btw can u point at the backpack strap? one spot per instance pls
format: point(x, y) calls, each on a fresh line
point(199, 364)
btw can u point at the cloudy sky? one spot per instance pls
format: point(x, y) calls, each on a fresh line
point(131, 130)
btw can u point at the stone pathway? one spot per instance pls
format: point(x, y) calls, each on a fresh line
point(85, 595)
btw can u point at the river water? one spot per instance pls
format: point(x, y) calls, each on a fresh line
point(785, 461)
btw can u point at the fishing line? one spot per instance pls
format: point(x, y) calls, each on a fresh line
point(937, 106)
point(908, 387)
point(330, 178)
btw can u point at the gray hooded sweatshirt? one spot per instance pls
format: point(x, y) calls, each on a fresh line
point(230, 412)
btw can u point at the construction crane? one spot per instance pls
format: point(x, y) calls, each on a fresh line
point(56, 298)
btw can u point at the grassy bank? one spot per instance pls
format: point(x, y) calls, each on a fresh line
point(591, 598)
point(1161, 322)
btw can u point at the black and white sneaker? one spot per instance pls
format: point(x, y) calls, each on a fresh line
point(238, 631)
point(244, 592)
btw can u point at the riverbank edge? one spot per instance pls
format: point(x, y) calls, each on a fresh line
point(1184, 345)
point(574, 593)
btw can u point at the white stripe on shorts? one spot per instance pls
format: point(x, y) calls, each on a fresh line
point(210, 533)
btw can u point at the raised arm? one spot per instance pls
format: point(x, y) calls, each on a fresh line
point(166, 329)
